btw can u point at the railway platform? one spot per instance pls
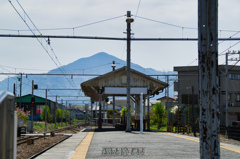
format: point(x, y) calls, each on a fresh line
point(111, 143)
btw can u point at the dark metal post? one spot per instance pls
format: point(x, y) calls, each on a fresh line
point(148, 118)
point(113, 111)
point(193, 113)
point(45, 110)
point(208, 78)
point(168, 99)
point(55, 110)
point(14, 89)
point(129, 20)
point(61, 112)
point(100, 110)
point(91, 112)
point(20, 98)
point(226, 132)
point(32, 105)
point(113, 68)
point(104, 111)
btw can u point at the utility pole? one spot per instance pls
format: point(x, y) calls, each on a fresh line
point(20, 98)
point(193, 113)
point(45, 110)
point(91, 112)
point(148, 118)
point(129, 20)
point(113, 69)
point(168, 100)
point(106, 110)
point(208, 78)
point(85, 114)
point(61, 112)
point(100, 110)
point(226, 131)
point(32, 105)
point(141, 113)
point(14, 89)
point(55, 112)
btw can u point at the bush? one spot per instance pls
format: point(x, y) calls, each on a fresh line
point(21, 114)
point(49, 116)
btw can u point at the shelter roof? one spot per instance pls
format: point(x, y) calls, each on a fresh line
point(27, 99)
point(118, 78)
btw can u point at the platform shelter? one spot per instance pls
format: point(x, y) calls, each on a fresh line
point(114, 83)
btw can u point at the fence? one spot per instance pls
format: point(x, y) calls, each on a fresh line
point(233, 132)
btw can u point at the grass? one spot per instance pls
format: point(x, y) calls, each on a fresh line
point(155, 127)
point(39, 127)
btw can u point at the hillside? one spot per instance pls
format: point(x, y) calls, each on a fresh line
point(97, 64)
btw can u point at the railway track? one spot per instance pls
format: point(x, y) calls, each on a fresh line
point(72, 128)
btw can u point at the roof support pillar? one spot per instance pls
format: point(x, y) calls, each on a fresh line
point(100, 110)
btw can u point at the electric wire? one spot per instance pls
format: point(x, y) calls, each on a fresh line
point(165, 23)
point(138, 8)
point(69, 28)
point(74, 85)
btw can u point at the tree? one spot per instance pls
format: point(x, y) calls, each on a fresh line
point(124, 110)
point(160, 112)
point(49, 116)
point(58, 113)
point(66, 114)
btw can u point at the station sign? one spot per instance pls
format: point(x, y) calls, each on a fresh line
point(123, 90)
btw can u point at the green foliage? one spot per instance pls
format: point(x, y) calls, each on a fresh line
point(49, 116)
point(155, 127)
point(66, 114)
point(124, 110)
point(21, 115)
point(159, 116)
point(110, 113)
point(58, 113)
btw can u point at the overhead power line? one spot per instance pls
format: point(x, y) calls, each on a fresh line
point(48, 40)
point(67, 28)
point(108, 38)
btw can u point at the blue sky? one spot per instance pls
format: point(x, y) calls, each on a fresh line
point(28, 56)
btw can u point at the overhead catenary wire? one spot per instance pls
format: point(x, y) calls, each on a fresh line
point(136, 16)
point(68, 28)
point(74, 85)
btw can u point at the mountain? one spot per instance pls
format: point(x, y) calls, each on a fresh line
point(97, 64)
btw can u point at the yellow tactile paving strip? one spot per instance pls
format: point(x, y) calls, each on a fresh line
point(82, 149)
point(224, 147)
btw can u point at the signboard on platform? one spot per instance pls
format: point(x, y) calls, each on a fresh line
point(123, 90)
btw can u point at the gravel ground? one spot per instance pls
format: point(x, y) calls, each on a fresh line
point(25, 151)
point(222, 139)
